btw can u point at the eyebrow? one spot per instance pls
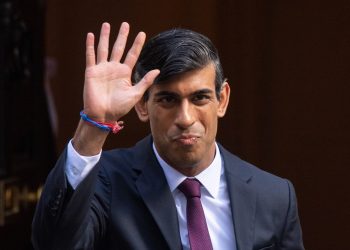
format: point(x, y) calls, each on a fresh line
point(170, 93)
point(202, 92)
point(166, 93)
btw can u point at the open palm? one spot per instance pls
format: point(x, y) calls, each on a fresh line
point(108, 91)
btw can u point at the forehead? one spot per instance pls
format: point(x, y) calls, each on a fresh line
point(188, 82)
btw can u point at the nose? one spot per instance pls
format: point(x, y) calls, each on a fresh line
point(185, 116)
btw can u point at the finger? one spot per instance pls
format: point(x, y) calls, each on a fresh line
point(119, 45)
point(90, 50)
point(146, 81)
point(102, 49)
point(135, 50)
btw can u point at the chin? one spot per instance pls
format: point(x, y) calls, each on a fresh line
point(188, 161)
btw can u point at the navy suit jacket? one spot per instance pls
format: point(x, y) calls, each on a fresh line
point(125, 203)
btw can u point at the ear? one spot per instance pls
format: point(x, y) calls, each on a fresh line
point(141, 110)
point(224, 99)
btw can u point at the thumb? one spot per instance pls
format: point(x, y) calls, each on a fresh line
point(146, 81)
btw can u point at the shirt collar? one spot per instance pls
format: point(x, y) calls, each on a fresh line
point(209, 177)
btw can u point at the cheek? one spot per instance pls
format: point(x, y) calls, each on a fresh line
point(160, 122)
point(209, 120)
point(211, 129)
point(210, 132)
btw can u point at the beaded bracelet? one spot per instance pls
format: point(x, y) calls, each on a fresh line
point(105, 126)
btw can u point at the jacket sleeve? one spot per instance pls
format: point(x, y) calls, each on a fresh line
point(292, 235)
point(71, 219)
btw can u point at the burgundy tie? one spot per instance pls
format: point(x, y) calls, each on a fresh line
point(196, 224)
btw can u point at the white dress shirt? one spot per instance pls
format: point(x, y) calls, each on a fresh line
point(215, 201)
point(214, 195)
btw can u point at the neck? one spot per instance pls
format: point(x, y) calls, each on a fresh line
point(191, 168)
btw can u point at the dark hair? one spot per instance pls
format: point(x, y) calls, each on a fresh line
point(175, 52)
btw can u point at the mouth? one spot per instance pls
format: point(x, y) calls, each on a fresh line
point(186, 139)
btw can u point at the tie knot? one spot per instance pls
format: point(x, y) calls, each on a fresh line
point(190, 188)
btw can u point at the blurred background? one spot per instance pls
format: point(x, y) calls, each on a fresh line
point(287, 63)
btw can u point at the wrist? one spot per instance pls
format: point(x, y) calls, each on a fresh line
point(88, 140)
point(111, 126)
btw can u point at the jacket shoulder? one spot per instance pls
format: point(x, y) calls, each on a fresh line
point(265, 183)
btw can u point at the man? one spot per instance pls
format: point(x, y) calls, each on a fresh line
point(177, 188)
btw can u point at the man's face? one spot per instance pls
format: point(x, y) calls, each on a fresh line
point(183, 115)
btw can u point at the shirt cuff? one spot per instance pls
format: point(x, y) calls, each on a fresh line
point(78, 166)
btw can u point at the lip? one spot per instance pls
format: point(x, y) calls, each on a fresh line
point(186, 139)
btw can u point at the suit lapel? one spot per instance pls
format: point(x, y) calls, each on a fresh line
point(155, 192)
point(242, 197)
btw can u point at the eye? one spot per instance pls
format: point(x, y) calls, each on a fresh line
point(201, 99)
point(166, 99)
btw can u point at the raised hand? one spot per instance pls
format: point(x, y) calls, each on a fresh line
point(108, 91)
